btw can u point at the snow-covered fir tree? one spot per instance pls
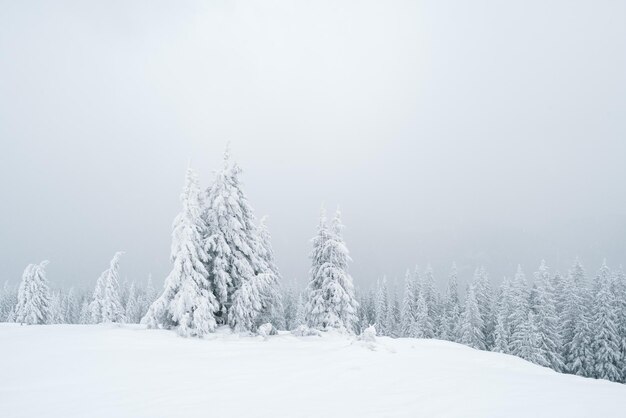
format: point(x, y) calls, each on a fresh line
point(484, 298)
point(519, 308)
point(382, 309)
point(606, 345)
point(106, 305)
point(273, 310)
point(33, 296)
point(547, 319)
point(8, 300)
point(471, 326)
point(526, 342)
point(332, 303)
point(449, 328)
point(423, 326)
point(501, 335)
point(187, 303)
point(234, 251)
point(409, 306)
point(57, 311)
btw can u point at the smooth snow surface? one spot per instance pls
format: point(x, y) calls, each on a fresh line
point(127, 371)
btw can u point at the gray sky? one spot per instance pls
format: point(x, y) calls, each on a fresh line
point(484, 132)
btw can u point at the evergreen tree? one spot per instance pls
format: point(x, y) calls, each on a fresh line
point(8, 300)
point(187, 303)
point(451, 309)
point(234, 250)
point(471, 329)
point(106, 305)
point(423, 326)
point(409, 306)
point(501, 335)
point(520, 306)
point(33, 296)
point(273, 310)
point(484, 298)
point(383, 317)
point(71, 307)
point(57, 312)
point(579, 357)
point(547, 319)
point(527, 343)
point(606, 344)
point(133, 308)
point(332, 303)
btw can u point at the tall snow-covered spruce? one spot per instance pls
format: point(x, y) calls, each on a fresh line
point(33, 296)
point(331, 302)
point(240, 262)
point(187, 303)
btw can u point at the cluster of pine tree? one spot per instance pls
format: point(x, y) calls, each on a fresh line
point(33, 302)
point(562, 322)
point(223, 264)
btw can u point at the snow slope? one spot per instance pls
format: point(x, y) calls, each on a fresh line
point(110, 371)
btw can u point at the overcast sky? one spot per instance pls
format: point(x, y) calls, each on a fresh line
point(486, 132)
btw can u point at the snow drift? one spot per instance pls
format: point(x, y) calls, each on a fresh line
point(127, 371)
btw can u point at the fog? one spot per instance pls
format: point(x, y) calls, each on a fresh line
point(486, 133)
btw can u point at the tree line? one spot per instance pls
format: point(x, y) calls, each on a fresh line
point(224, 274)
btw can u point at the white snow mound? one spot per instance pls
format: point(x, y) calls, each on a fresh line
point(127, 371)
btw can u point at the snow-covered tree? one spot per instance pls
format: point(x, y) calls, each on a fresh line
point(187, 303)
point(423, 326)
point(56, 311)
point(484, 298)
point(234, 251)
point(409, 306)
point(71, 307)
point(519, 307)
point(133, 310)
point(8, 300)
point(606, 344)
point(106, 305)
point(449, 328)
point(382, 309)
point(471, 327)
point(501, 335)
point(273, 310)
point(526, 342)
point(547, 319)
point(33, 296)
point(579, 357)
point(332, 303)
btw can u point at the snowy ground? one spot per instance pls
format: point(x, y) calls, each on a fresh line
point(110, 371)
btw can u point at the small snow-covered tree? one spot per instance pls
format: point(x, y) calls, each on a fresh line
point(187, 303)
point(409, 307)
point(8, 300)
point(133, 310)
point(547, 319)
point(382, 309)
point(471, 327)
point(71, 307)
point(272, 309)
point(500, 335)
point(519, 307)
point(423, 326)
point(57, 312)
point(606, 344)
point(484, 298)
point(527, 343)
point(579, 357)
point(106, 305)
point(33, 296)
point(451, 309)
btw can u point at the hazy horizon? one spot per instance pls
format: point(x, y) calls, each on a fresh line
point(484, 133)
